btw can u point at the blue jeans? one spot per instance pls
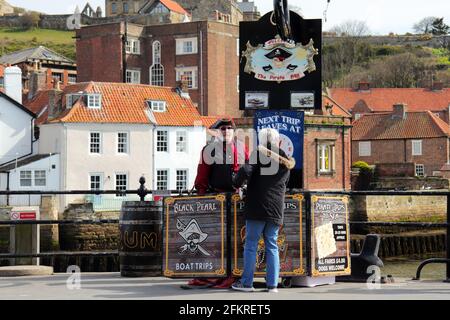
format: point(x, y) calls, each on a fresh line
point(254, 229)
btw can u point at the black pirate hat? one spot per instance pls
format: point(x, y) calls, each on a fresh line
point(223, 122)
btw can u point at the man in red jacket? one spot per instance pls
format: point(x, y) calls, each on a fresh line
point(220, 160)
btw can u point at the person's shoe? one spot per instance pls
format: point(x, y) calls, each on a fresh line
point(239, 286)
point(272, 289)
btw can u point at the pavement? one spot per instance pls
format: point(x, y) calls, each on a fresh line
point(106, 286)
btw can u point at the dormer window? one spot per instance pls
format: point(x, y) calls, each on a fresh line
point(71, 99)
point(157, 106)
point(94, 101)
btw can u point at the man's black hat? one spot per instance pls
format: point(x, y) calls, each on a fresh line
point(223, 122)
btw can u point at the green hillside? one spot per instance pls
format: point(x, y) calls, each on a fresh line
point(14, 39)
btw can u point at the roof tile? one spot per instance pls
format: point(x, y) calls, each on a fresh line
point(382, 99)
point(416, 125)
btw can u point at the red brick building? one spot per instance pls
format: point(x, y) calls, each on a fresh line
point(40, 67)
point(204, 52)
point(402, 137)
point(365, 99)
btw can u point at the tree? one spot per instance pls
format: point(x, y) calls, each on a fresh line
point(424, 25)
point(439, 28)
point(351, 28)
point(30, 20)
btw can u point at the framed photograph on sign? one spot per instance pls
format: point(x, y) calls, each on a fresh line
point(302, 100)
point(256, 100)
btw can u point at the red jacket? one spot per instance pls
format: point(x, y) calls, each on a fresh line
point(208, 174)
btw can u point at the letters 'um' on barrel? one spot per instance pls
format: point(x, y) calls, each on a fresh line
point(140, 248)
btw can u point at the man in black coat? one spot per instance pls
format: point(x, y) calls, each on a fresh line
point(264, 207)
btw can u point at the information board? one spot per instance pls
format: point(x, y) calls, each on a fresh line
point(291, 239)
point(195, 236)
point(330, 243)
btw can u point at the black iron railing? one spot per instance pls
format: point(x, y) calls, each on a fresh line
point(142, 192)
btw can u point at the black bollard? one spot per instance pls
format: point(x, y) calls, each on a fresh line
point(360, 262)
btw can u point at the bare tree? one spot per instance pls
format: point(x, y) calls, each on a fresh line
point(351, 28)
point(424, 26)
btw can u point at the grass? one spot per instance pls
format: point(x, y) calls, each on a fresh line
point(15, 39)
point(39, 35)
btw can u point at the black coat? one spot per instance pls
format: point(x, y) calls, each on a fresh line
point(265, 193)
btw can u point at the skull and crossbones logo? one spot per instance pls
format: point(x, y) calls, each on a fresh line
point(193, 235)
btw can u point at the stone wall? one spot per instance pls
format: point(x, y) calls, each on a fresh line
point(409, 183)
point(396, 209)
point(414, 40)
point(86, 237)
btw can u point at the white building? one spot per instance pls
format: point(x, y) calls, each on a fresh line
point(16, 121)
point(106, 134)
point(35, 173)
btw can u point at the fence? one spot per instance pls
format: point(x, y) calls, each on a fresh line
point(142, 193)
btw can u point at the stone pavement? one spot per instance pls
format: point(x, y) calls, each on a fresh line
point(104, 286)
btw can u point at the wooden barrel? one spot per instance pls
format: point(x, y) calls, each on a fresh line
point(140, 248)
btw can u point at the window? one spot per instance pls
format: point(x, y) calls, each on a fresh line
point(40, 178)
point(157, 70)
point(186, 46)
point(325, 157)
point(357, 116)
point(365, 149)
point(182, 180)
point(94, 101)
point(114, 8)
point(71, 99)
point(181, 141)
point(133, 46)
point(417, 147)
point(162, 141)
point(156, 52)
point(122, 142)
point(25, 178)
point(190, 75)
point(160, 9)
point(72, 78)
point(121, 183)
point(133, 76)
point(95, 142)
point(95, 182)
point(125, 7)
point(157, 106)
point(57, 76)
point(162, 179)
point(420, 170)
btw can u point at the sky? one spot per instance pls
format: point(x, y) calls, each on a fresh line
point(382, 16)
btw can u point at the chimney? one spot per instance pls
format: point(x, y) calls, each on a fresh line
point(13, 83)
point(54, 101)
point(437, 86)
point(399, 111)
point(183, 87)
point(38, 81)
point(363, 86)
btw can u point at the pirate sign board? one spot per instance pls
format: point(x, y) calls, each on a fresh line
point(280, 67)
point(330, 240)
point(195, 236)
point(291, 239)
